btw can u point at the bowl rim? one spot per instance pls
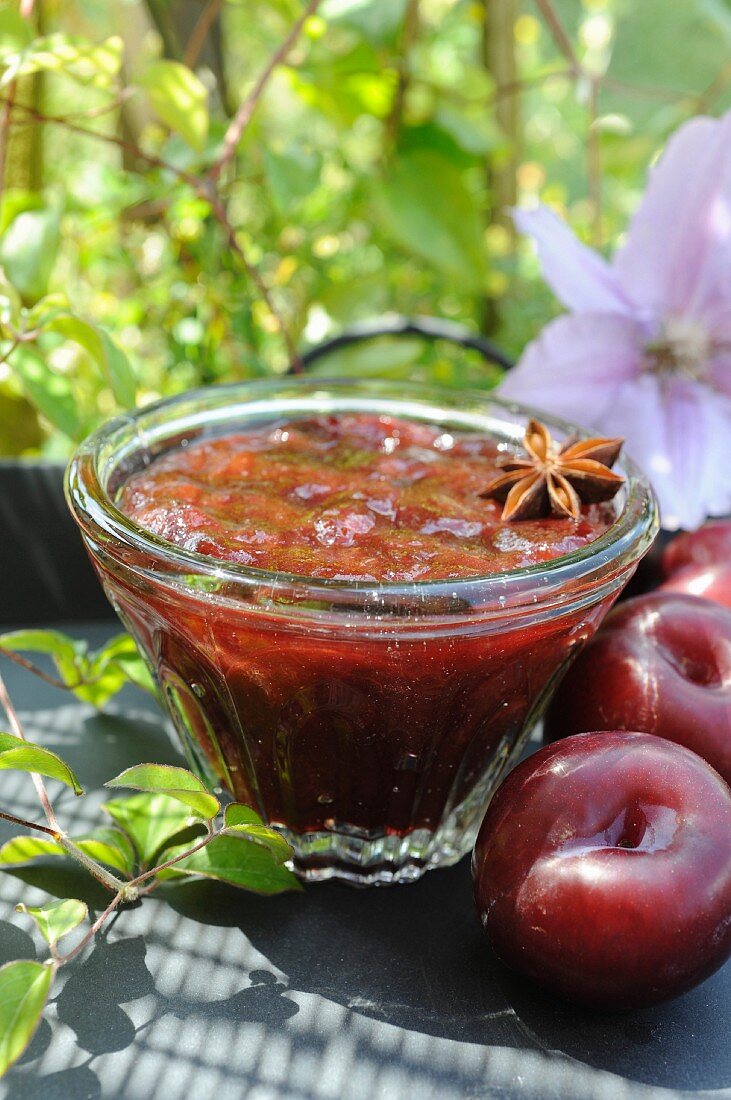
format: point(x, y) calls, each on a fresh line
point(616, 550)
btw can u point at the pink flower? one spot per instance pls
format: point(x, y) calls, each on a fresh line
point(645, 352)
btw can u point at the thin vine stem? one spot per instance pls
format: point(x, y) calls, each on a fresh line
point(17, 729)
point(244, 114)
point(27, 824)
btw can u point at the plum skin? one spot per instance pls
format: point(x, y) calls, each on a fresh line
point(602, 869)
point(660, 664)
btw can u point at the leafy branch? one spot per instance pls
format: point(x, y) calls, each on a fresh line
point(179, 100)
point(148, 843)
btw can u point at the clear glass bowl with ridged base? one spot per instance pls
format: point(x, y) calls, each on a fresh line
point(369, 722)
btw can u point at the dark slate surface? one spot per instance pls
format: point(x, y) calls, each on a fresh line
point(204, 992)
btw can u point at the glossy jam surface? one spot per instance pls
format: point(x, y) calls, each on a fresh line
point(354, 497)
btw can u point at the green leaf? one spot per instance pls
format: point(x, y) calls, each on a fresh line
point(24, 987)
point(292, 176)
point(52, 642)
point(375, 20)
point(111, 361)
point(106, 845)
point(69, 55)
point(240, 820)
point(103, 673)
point(180, 100)
point(20, 755)
point(24, 849)
point(52, 394)
point(122, 653)
point(235, 813)
point(474, 131)
point(151, 820)
point(15, 32)
point(178, 783)
point(110, 846)
point(57, 918)
point(28, 250)
point(238, 861)
point(427, 208)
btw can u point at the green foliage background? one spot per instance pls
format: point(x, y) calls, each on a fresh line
point(370, 180)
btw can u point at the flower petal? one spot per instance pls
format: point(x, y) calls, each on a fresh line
point(580, 278)
point(677, 257)
point(679, 432)
point(576, 365)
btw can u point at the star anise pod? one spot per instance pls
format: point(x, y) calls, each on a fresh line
point(555, 480)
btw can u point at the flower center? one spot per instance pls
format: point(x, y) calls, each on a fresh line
point(683, 347)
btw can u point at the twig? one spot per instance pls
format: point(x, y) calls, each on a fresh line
point(45, 676)
point(61, 960)
point(528, 83)
point(246, 109)
point(409, 35)
point(106, 878)
point(198, 36)
point(176, 859)
point(38, 783)
point(27, 824)
point(204, 190)
point(559, 35)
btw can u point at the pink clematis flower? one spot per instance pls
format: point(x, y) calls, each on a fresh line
point(645, 352)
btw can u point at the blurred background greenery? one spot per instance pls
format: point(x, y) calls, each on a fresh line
point(373, 177)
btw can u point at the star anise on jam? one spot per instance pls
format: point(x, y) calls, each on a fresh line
point(555, 479)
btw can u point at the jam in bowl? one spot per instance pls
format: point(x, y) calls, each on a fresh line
point(348, 637)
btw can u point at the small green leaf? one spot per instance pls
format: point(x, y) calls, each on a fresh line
point(375, 21)
point(151, 820)
point(261, 834)
point(110, 360)
point(103, 673)
point(180, 100)
point(52, 394)
point(57, 918)
point(428, 209)
point(121, 656)
point(237, 860)
point(241, 820)
point(24, 849)
point(15, 753)
point(28, 250)
point(106, 845)
point(235, 813)
point(110, 846)
point(292, 175)
point(24, 987)
point(71, 55)
point(178, 783)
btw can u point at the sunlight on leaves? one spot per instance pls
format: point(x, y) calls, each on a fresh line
point(239, 861)
point(150, 820)
point(177, 783)
point(24, 987)
point(95, 677)
point(20, 755)
point(107, 845)
point(57, 918)
point(179, 99)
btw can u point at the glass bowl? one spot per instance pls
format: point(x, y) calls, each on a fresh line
point(368, 722)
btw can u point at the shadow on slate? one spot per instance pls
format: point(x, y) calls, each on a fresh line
point(415, 957)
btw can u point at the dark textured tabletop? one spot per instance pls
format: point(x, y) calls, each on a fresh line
point(207, 993)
